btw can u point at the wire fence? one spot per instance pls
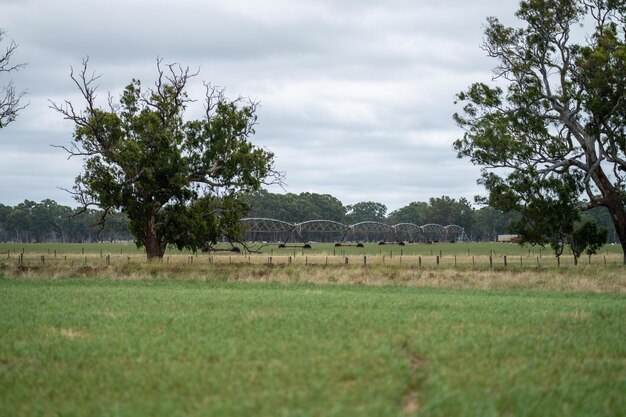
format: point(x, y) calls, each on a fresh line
point(302, 258)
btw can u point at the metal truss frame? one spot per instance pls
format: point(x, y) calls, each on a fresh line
point(357, 232)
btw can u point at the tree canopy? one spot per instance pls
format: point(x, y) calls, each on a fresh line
point(48, 221)
point(445, 210)
point(414, 212)
point(366, 211)
point(551, 131)
point(179, 182)
point(296, 208)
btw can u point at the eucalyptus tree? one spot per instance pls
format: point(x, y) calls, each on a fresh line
point(551, 131)
point(445, 210)
point(414, 213)
point(179, 181)
point(366, 211)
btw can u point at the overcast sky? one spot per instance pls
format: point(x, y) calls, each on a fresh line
point(356, 95)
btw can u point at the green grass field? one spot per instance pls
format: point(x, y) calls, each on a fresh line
point(463, 255)
point(295, 249)
point(102, 347)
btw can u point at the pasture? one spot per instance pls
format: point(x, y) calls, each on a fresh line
point(213, 348)
point(458, 255)
point(295, 249)
point(96, 330)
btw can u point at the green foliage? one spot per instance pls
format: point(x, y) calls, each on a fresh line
point(552, 141)
point(179, 182)
point(548, 208)
point(446, 210)
point(414, 212)
point(489, 223)
point(366, 211)
point(482, 224)
point(601, 217)
point(587, 238)
point(549, 212)
point(65, 224)
point(295, 208)
point(48, 221)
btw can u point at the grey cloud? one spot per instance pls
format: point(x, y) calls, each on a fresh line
point(356, 96)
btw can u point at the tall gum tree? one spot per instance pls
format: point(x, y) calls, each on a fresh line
point(554, 126)
point(179, 182)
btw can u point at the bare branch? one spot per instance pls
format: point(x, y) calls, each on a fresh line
point(5, 57)
point(10, 97)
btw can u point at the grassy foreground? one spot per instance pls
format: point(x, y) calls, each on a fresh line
point(192, 348)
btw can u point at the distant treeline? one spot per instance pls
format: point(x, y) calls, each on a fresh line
point(48, 221)
point(483, 224)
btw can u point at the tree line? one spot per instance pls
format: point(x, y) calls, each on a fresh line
point(48, 221)
point(480, 224)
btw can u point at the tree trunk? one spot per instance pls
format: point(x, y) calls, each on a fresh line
point(155, 247)
point(618, 215)
point(615, 205)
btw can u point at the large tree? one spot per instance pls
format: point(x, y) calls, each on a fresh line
point(295, 208)
point(447, 211)
point(365, 211)
point(412, 213)
point(179, 182)
point(10, 98)
point(551, 132)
